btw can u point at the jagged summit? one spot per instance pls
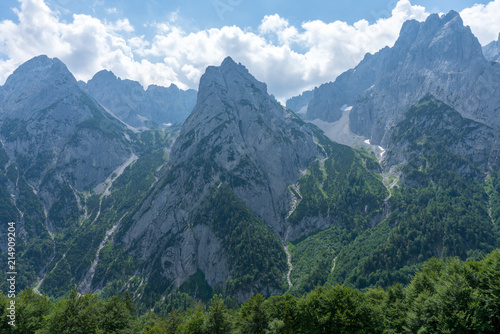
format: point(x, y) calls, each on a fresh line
point(42, 80)
point(127, 100)
point(228, 61)
point(104, 75)
point(43, 64)
point(492, 50)
point(439, 56)
point(442, 38)
point(234, 104)
point(227, 79)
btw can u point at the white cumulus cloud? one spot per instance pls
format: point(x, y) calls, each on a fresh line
point(290, 59)
point(326, 49)
point(484, 20)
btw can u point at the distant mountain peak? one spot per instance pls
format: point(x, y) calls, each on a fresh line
point(452, 15)
point(41, 61)
point(226, 81)
point(448, 29)
point(137, 107)
point(228, 61)
point(105, 74)
point(492, 51)
point(41, 69)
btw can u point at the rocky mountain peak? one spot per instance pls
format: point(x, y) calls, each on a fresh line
point(440, 56)
point(104, 75)
point(137, 107)
point(47, 118)
point(44, 68)
point(235, 110)
point(240, 136)
point(492, 50)
point(37, 84)
point(439, 39)
point(227, 81)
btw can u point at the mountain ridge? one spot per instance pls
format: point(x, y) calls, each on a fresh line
point(138, 107)
point(439, 56)
point(492, 50)
point(245, 197)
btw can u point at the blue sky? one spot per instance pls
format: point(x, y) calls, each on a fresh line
point(200, 15)
point(292, 46)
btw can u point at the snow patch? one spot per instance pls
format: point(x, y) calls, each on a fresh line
point(345, 107)
point(382, 151)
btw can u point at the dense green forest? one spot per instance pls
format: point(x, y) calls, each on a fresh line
point(449, 296)
point(443, 204)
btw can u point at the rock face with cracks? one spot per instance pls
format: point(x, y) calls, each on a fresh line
point(439, 56)
point(238, 137)
point(492, 50)
point(138, 107)
point(55, 132)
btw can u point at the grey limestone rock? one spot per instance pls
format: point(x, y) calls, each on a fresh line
point(55, 133)
point(492, 50)
point(239, 136)
point(439, 56)
point(139, 108)
point(298, 104)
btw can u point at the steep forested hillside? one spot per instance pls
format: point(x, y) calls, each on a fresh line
point(443, 297)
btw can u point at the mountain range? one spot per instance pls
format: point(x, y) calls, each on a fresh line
point(111, 193)
point(139, 108)
point(439, 56)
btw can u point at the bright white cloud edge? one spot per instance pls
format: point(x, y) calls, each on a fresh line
point(87, 45)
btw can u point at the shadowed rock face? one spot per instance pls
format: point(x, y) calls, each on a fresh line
point(137, 107)
point(432, 127)
point(298, 104)
point(439, 56)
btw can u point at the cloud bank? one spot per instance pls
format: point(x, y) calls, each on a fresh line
point(289, 59)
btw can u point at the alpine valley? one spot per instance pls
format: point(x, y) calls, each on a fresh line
point(163, 194)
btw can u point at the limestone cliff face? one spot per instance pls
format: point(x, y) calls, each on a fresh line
point(439, 56)
point(127, 100)
point(240, 138)
point(54, 133)
point(299, 104)
point(57, 145)
point(492, 50)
